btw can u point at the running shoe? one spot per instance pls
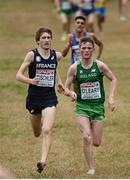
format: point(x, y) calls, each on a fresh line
point(91, 172)
point(40, 166)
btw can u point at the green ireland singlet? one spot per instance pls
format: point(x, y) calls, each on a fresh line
point(90, 92)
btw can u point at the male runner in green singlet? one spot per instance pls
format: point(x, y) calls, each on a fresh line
point(88, 75)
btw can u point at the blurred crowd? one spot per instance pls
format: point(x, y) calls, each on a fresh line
point(93, 10)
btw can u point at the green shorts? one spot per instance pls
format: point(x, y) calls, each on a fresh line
point(93, 111)
point(67, 13)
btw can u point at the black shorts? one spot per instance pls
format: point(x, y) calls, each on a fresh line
point(35, 104)
point(87, 12)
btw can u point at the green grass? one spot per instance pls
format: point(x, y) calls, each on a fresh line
point(19, 150)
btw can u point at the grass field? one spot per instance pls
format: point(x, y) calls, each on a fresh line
point(19, 150)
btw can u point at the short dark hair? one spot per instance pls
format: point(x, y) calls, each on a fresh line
point(80, 17)
point(87, 39)
point(40, 31)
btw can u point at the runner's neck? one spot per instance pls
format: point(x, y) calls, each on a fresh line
point(44, 53)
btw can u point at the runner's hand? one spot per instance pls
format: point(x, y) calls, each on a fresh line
point(61, 88)
point(73, 96)
point(34, 81)
point(111, 104)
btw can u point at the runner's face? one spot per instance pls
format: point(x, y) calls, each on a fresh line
point(86, 50)
point(80, 25)
point(45, 41)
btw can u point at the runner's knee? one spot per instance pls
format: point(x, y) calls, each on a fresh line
point(87, 138)
point(46, 131)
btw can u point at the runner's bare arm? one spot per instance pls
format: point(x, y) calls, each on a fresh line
point(20, 74)
point(57, 5)
point(108, 73)
point(59, 55)
point(67, 46)
point(60, 86)
point(98, 43)
point(69, 81)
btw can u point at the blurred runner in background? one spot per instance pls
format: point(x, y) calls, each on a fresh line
point(88, 10)
point(64, 9)
point(122, 4)
point(100, 6)
point(75, 37)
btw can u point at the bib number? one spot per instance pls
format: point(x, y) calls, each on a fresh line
point(90, 90)
point(46, 77)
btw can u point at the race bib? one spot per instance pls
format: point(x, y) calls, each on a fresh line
point(90, 90)
point(46, 77)
point(76, 55)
